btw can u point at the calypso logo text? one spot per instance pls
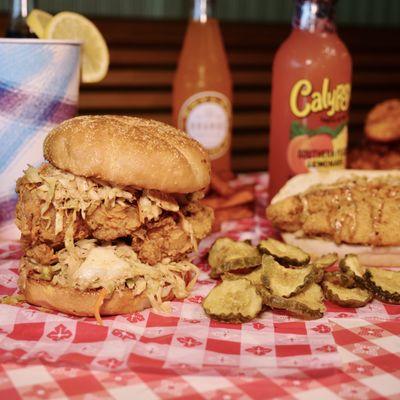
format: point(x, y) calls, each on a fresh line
point(304, 100)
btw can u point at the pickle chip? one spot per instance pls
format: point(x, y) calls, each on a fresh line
point(326, 261)
point(284, 281)
point(254, 277)
point(228, 255)
point(319, 274)
point(308, 304)
point(233, 301)
point(384, 284)
point(340, 279)
point(351, 266)
point(344, 296)
point(284, 253)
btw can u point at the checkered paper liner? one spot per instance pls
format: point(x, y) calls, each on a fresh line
point(186, 339)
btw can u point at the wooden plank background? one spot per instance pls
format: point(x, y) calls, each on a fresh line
point(144, 56)
point(348, 12)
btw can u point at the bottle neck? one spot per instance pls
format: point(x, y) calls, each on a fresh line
point(17, 26)
point(202, 10)
point(314, 16)
point(21, 8)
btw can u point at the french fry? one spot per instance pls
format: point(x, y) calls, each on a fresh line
point(213, 202)
point(220, 186)
point(231, 213)
point(238, 198)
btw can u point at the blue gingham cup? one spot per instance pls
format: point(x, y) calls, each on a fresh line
point(39, 87)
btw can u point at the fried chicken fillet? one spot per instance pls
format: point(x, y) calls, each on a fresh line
point(53, 204)
point(362, 208)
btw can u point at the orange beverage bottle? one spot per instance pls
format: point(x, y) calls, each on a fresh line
point(311, 87)
point(202, 88)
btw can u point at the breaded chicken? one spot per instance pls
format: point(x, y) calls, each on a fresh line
point(53, 204)
point(161, 239)
point(42, 254)
point(167, 238)
point(383, 121)
point(109, 223)
point(200, 217)
point(37, 227)
point(356, 211)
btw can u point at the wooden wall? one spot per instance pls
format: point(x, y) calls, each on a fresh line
point(351, 12)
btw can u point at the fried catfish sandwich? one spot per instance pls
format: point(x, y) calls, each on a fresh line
point(342, 211)
point(107, 221)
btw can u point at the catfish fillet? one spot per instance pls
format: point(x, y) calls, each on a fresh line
point(355, 211)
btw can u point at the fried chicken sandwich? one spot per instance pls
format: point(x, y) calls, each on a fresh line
point(108, 220)
point(342, 211)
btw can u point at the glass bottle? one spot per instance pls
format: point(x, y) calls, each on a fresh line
point(202, 88)
point(311, 87)
point(17, 26)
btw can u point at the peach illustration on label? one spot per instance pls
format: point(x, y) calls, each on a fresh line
point(302, 148)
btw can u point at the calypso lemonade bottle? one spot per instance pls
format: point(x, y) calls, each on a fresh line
point(311, 87)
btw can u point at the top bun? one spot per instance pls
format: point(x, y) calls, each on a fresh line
point(129, 151)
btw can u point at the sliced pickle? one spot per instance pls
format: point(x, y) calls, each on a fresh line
point(228, 255)
point(283, 281)
point(233, 301)
point(351, 266)
point(344, 296)
point(384, 284)
point(284, 253)
point(326, 261)
point(46, 274)
point(308, 304)
point(319, 274)
point(255, 276)
point(339, 278)
point(12, 299)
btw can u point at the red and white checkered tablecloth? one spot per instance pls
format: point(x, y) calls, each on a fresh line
point(348, 354)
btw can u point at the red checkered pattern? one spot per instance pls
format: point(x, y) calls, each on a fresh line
point(350, 354)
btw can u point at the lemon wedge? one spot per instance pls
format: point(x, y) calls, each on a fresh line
point(37, 21)
point(95, 56)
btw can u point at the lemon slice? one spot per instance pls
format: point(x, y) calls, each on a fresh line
point(37, 21)
point(95, 56)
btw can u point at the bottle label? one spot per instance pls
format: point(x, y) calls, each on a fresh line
point(319, 136)
point(206, 117)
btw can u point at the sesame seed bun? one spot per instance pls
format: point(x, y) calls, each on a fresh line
point(76, 302)
point(129, 151)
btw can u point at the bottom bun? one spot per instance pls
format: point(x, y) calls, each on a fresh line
point(76, 302)
point(388, 256)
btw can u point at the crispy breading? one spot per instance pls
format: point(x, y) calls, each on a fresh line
point(360, 212)
point(201, 218)
point(166, 238)
point(383, 121)
point(162, 239)
point(109, 223)
point(36, 228)
point(164, 228)
point(286, 215)
point(372, 155)
point(42, 253)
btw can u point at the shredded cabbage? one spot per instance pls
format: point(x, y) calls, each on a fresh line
point(70, 193)
point(188, 228)
point(73, 270)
